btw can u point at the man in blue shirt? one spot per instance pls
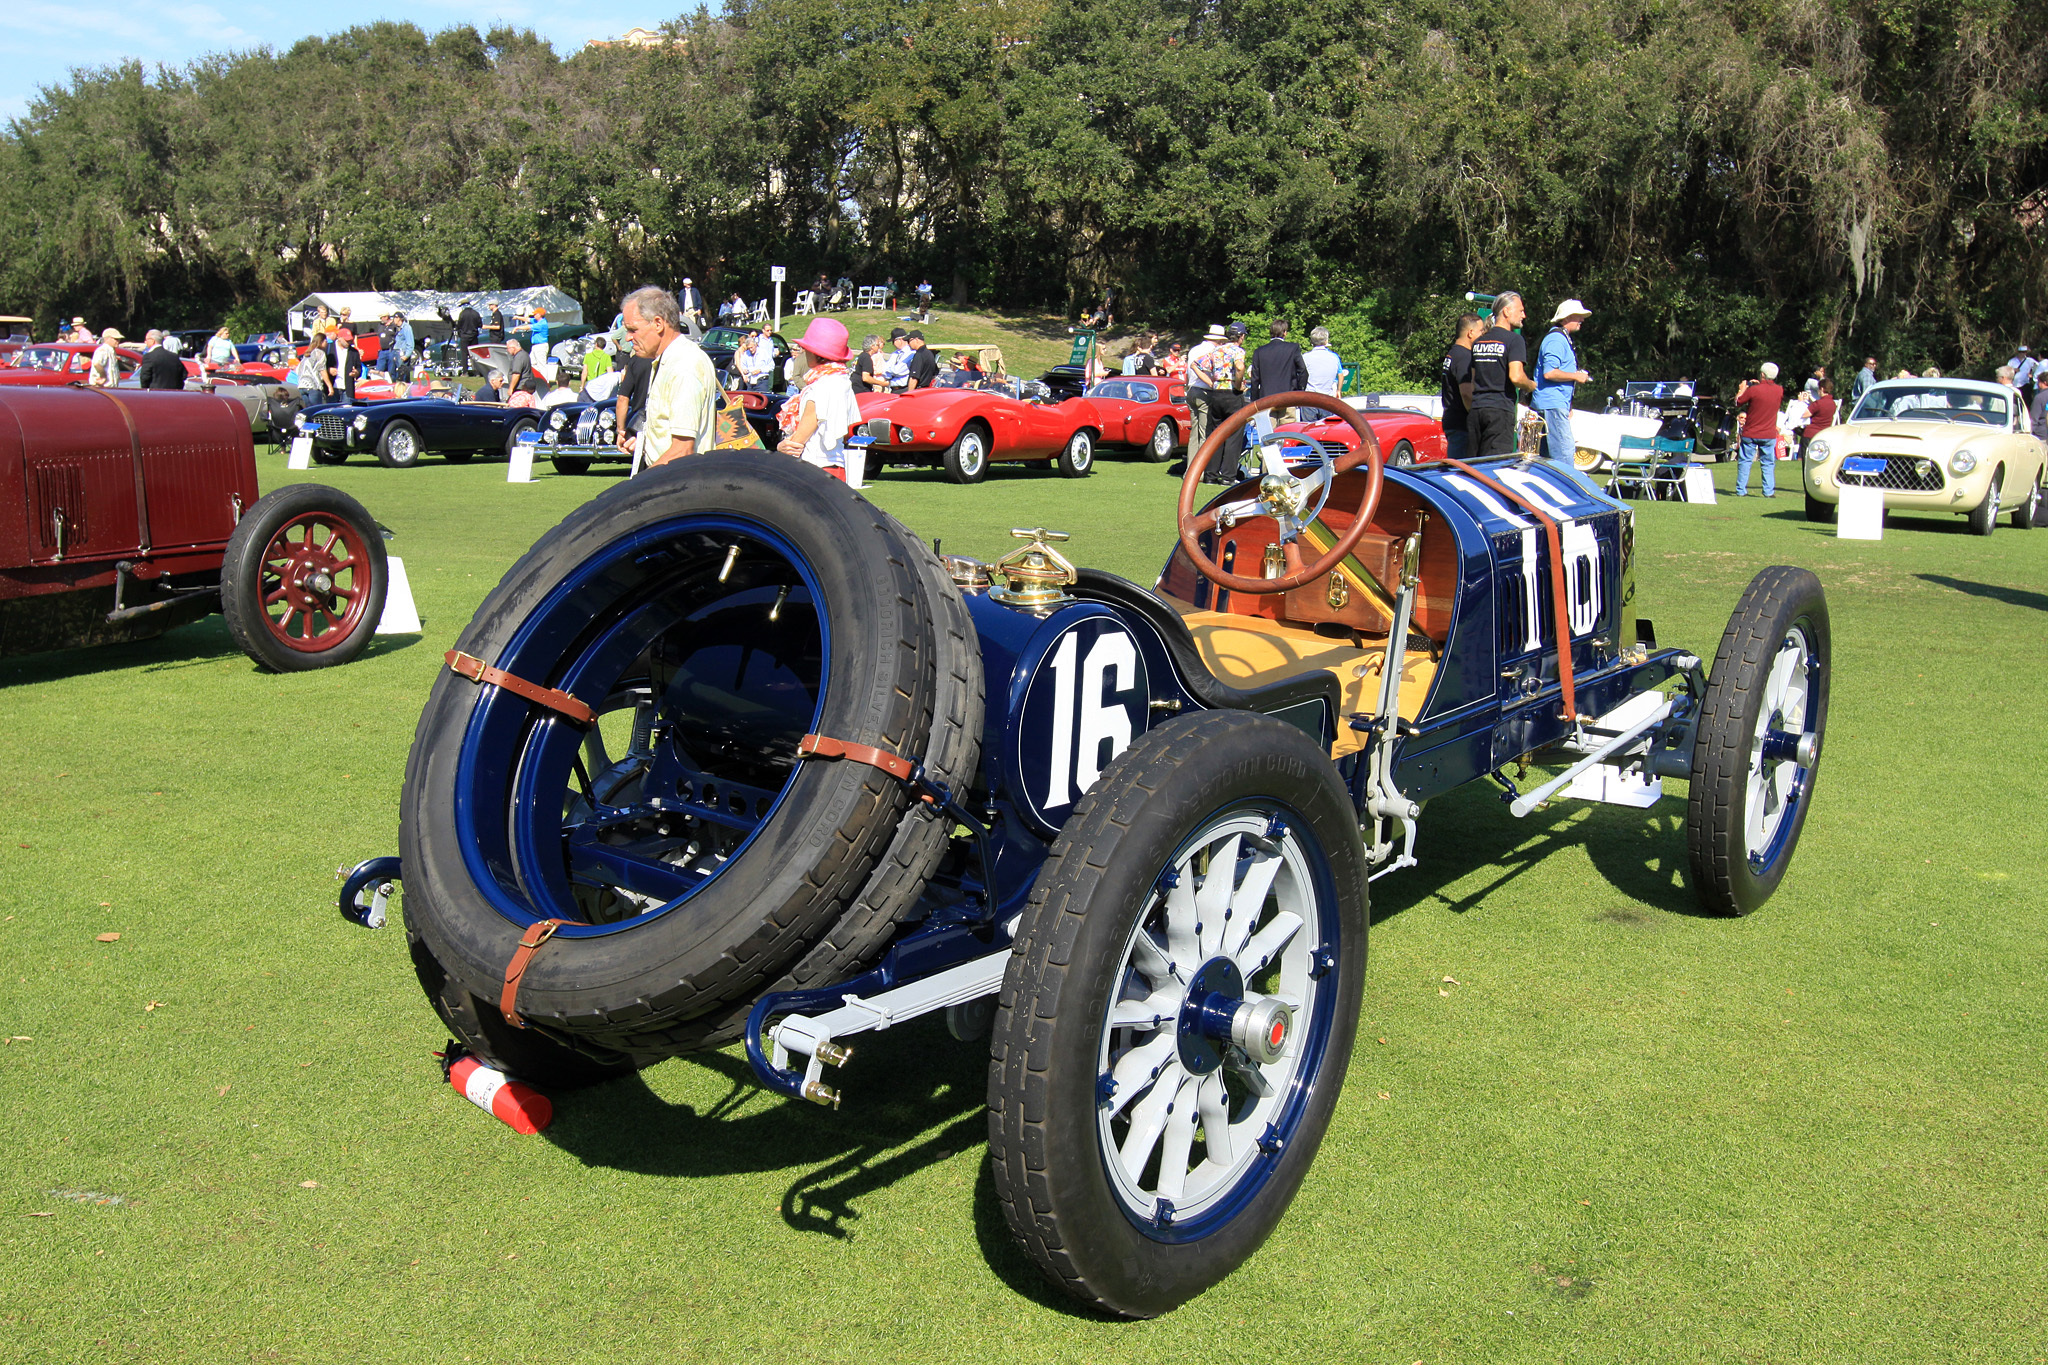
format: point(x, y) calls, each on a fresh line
point(1865, 377)
point(1557, 377)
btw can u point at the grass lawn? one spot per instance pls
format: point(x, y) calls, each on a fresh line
point(1584, 1123)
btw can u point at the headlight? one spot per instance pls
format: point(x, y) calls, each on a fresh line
point(1962, 462)
point(1817, 448)
point(301, 423)
point(905, 435)
point(557, 420)
point(361, 424)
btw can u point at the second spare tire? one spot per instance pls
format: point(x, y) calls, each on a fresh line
point(711, 613)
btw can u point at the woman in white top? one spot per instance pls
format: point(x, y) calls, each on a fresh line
point(816, 420)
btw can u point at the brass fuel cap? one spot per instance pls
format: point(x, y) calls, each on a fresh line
point(1035, 576)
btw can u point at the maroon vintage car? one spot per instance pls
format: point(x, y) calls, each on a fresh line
point(125, 514)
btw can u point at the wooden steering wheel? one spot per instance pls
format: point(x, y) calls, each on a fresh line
point(1292, 500)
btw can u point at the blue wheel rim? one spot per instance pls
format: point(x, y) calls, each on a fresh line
point(650, 596)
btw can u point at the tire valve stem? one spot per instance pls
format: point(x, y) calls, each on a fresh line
point(775, 612)
point(732, 554)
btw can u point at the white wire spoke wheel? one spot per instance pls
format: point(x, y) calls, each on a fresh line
point(1758, 743)
point(1179, 1009)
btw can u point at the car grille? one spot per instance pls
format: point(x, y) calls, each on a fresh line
point(1901, 474)
point(333, 427)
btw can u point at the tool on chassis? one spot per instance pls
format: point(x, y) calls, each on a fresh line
point(730, 755)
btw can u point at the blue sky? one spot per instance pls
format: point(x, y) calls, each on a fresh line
point(41, 41)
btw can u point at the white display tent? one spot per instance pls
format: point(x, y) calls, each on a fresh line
point(422, 305)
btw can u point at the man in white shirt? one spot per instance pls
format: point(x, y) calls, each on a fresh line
point(105, 371)
point(896, 361)
point(682, 403)
point(1325, 366)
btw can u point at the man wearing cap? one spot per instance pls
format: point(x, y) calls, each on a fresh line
point(895, 362)
point(105, 371)
point(1758, 400)
point(1558, 377)
point(682, 409)
point(692, 304)
point(2026, 372)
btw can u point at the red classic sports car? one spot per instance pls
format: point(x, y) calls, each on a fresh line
point(1144, 413)
point(962, 428)
point(1407, 437)
point(53, 363)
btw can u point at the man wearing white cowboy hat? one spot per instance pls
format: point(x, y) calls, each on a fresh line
point(1202, 380)
point(1557, 378)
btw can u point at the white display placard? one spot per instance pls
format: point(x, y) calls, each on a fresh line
point(301, 456)
point(777, 274)
point(401, 616)
point(1699, 484)
point(1861, 514)
point(521, 467)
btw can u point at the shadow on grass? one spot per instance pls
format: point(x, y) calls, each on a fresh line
point(1468, 833)
point(2012, 597)
point(914, 1097)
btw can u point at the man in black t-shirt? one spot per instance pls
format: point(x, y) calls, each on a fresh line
point(1499, 367)
point(1454, 374)
point(635, 376)
point(924, 366)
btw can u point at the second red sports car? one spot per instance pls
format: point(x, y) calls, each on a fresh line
point(1405, 437)
point(1145, 413)
point(962, 429)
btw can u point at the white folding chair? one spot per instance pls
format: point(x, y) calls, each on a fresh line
point(806, 302)
point(760, 317)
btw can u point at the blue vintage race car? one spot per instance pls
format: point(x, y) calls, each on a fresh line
point(731, 754)
point(401, 430)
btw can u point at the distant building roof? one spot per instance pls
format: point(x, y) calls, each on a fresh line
point(636, 37)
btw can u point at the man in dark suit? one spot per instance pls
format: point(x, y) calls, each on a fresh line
point(1277, 367)
point(160, 369)
point(468, 325)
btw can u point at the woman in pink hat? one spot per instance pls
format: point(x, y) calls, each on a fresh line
point(816, 421)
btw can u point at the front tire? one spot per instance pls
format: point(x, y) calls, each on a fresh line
point(967, 458)
point(1078, 458)
point(1212, 878)
point(1984, 517)
point(1822, 513)
point(302, 583)
point(571, 464)
point(1758, 741)
point(399, 446)
point(518, 429)
point(1165, 440)
point(328, 455)
point(1403, 456)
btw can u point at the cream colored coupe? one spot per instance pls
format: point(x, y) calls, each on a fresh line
point(1933, 445)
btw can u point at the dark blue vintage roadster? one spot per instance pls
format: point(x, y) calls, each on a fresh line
point(731, 755)
point(399, 431)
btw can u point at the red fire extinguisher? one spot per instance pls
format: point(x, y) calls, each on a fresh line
point(514, 1103)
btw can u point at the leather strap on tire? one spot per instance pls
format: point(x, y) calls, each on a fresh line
point(476, 670)
point(823, 746)
point(1560, 603)
point(529, 943)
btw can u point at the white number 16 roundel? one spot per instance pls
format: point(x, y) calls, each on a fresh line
point(1085, 703)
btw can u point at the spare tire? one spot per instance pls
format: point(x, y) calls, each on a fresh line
point(952, 757)
point(714, 611)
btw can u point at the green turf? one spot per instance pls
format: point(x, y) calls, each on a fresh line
point(1584, 1123)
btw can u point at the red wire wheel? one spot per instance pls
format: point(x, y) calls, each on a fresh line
point(303, 582)
point(314, 581)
